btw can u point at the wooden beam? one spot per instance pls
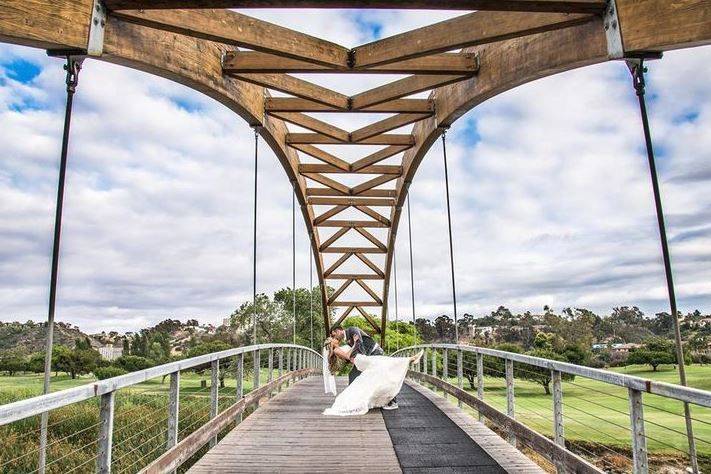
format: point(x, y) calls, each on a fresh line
point(337, 264)
point(370, 291)
point(376, 193)
point(375, 169)
point(337, 235)
point(229, 27)
point(238, 62)
point(331, 183)
point(371, 238)
point(355, 276)
point(401, 88)
point(386, 125)
point(340, 290)
point(460, 32)
point(319, 154)
point(377, 157)
point(353, 303)
point(298, 88)
point(370, 320)
point(330, 213)
point(318, 139)
point(343, 316)
point(369, 263)
point(563, 6)
point(354, 224)
point(354, 249)
point(313, 124)
point(371, 183)
point(334, 201)
point(375, 215)
point(295, 104)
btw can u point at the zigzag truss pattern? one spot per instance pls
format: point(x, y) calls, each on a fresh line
point(351, 184)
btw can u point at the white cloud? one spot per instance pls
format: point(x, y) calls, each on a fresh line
point(551, 206)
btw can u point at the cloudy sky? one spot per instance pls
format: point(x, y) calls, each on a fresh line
point(550, 192)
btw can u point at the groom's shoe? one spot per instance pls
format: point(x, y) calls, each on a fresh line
point(392, 405)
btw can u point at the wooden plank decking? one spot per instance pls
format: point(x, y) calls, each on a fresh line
point(289, 434)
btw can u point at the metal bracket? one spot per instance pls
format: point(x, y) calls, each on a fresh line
point(97, 27)
point(613, 33)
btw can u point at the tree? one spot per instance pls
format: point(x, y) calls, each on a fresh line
point(133, 363)
point(78, 361)
point(540, 375)
point(653, 358)
point(12, 361)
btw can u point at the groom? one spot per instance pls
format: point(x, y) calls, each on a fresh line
point(362, 343)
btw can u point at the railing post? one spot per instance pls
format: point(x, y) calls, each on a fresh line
point(434, 367)
point(106, 432)
point(287, 361)
point(510, 404)
point(480, 379)
point(445, 369)
point(239, 379)
point(214, 393)
point(271, 368)
point(558, 428)
point(173, 410)
point(460, 373)
point(424, 362)
point(281, 365)
point(639, 440)
point(255, 358)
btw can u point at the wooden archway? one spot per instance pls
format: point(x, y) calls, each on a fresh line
point(503, 44)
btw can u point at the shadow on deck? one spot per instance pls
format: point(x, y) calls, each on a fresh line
point(426, 435)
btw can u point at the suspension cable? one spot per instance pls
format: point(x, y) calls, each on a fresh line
point(254, 241)
point(72, 67)
point(412, 266)
point(397, 329)
point(638, 69)
point(293, 260)
point(451, 246)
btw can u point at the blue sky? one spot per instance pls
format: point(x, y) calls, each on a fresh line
point(550, 192)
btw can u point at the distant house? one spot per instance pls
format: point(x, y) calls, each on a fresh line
point(617, 348)
point(109, 352)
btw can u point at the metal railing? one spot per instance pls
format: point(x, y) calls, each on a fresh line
point(175, 426)
point(605, 411)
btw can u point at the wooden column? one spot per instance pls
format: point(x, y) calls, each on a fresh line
point(480, 380)
point(558, 429)
point(445, 369)
point(255, 360)
point(510, 404)
point(214, 393)
point(280, 371)
point(173, 410)
point(460, 373)
point(239, 380)
point(639, 440)
point(106, 433)
point(270, 367)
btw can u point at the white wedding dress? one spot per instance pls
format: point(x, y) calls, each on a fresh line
point(379, 382)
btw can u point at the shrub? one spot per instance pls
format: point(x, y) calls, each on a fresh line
point(103, 373)
point(131, 363)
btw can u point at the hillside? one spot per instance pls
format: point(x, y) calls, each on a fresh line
point(30, 337)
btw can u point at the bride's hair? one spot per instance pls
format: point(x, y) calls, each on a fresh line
point(335, 363)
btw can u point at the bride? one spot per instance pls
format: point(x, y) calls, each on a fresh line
point(380, 380)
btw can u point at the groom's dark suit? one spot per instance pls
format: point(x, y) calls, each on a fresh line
point(365, 345)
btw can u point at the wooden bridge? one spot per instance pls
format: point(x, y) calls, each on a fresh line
point(277, 425)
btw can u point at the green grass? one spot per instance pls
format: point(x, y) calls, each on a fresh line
point(596, 415)
point(140, 422)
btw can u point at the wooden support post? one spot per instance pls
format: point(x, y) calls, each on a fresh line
point(639, 440)
point(510, 404)
point(255, 360)
point(106, 432)
point(239, 380)
point(558, 428)
point(214, 393)
point(445, 369)
point(434, 366)
point(480, 380)
point(287, 361)
point(270, 377)
point(424, 362)
point(460, 373)
point(281, 365)
point(173, 410)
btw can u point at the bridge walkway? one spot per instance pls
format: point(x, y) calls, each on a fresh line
point(426, 435)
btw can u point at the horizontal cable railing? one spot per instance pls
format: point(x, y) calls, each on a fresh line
point(137, 422)
point(613, 422)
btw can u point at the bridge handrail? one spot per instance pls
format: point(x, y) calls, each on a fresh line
point(664, 389)
point(21, 409)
